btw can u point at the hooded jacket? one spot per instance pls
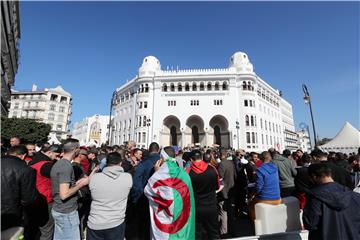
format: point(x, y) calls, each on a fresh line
point(287, 171)
point(267, 182)
point(205, 182)
point(332, 212)
point(109, 192)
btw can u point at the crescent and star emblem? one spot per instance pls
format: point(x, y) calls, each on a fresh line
point(164, 205)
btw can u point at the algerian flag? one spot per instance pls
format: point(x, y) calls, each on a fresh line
point(171, 200)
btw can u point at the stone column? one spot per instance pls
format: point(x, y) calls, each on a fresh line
point(182, 138)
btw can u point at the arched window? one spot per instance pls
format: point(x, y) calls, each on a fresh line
point(217, 134)
point(173, 136)
point(244, 85)
point(225, 86)
point(194, 87)
point(139, 124)
point(164, 87)
point(202, 86)
point(172, 87)
point(179, 87)
point(247, 123)
point(187, 87)
point(209, 87)
point(261, 123)
point(146, 87)
point(252, 121)
point(253, 137)
point(217, 86)
point(142, 88)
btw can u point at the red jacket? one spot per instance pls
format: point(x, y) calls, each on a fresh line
point(43, 184)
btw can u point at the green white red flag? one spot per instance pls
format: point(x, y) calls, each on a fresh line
point(172, 205)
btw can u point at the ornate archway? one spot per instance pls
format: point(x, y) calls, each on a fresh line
point(171, 134)
point(194, 132)
point(220, 131)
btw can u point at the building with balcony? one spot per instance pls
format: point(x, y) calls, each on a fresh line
point(52, 106)
point(230, 107)
point(92, 130)
point(304, 141)
point(10, 38)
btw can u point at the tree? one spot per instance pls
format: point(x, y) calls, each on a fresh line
point(28, 130)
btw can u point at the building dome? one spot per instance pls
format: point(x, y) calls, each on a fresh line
point(149, 66)
point(241, 62)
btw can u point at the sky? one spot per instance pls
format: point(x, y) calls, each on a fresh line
point(91, 48)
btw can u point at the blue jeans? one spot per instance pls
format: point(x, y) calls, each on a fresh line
point(66, 225)
point(116, 233)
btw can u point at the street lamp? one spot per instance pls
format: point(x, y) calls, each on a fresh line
point(238, 136)
point(308, 101)
point(111, 107)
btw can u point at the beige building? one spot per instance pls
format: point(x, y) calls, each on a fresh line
point(91, 130)
point(52, 106)
point(10, 35)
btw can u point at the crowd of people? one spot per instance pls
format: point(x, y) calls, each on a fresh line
point(70, 191)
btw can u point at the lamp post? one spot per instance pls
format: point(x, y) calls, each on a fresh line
point(148, 121)
point(238, 137)
point(308, 101)
point(111, 107)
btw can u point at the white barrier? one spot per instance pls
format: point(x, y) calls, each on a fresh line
point(12, 233)
point(297, 235)
point(281, 218)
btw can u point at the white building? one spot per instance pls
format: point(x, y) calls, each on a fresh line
point(231, 107)
point(91, 130)
point(290, 136)
point(52, 106)
point(304, 141)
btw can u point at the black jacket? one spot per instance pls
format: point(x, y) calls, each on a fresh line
point(340, 175)
point(18, 189)
point(332, 212)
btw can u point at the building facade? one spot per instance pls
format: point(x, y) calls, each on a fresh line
point(52, 106)
point(290, 135)
point(92, 130)
point(304, 140)
point(230, 107)
point(10, 37)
